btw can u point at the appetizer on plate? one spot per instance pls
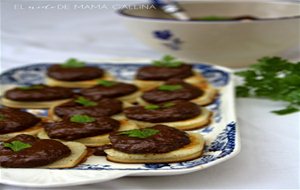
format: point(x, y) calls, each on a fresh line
point(179, 114)
point(36, 96)
point(14, 122)
point(75, 74)
point(91, 131)
point(83, 105)
point(151, 76)
point(26, 151)
point(112, 89)
point(176, 89)
point(156, 144)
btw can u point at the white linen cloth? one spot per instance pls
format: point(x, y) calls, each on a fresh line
point(269, 157)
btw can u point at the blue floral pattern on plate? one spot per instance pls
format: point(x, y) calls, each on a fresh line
point(222, 143)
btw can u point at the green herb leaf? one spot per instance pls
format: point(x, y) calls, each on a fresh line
point(273, 78)
point(140, 133)
point(151, 107)
point(73, 63)
point(167, 61)
point(287, 110)
point(82, 119)
point(33, 87)
point(2, 117)
point(16, 146)
point(213, 18)
point(168, 104)
point(170, 87)
point(106, 83)
point(85, 102)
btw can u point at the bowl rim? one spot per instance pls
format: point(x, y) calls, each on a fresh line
point(122, 13)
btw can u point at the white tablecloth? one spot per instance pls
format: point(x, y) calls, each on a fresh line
point(270, 144)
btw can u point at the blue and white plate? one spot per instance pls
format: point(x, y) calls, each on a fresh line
point(222, 137)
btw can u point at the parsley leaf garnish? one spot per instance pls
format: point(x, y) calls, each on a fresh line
point(167, 61)
point(2, 117)
point(155, 107)
point(82, 119)
point(168, 104)
point(166, 87)
point(106, 83)
point(16, 146)
point(273, 78)
point(151, 107)
point(213, 18)
point(73, 63)
point(85, 102)
point(140, 133)
point(33, 87)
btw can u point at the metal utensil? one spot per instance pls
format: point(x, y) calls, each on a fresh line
point(172, 8)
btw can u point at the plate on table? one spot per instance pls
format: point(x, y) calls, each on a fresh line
point(221, 135)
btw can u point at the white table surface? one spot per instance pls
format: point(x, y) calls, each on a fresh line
point(269, 158)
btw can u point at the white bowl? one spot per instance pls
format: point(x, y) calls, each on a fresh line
point(227, 43)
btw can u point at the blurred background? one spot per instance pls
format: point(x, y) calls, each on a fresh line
point(34, 34)
point(50, 31)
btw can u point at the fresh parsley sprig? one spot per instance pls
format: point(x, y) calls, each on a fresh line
point(140, 133)
point(16, 146)
point(73, 63)
point(273, 78)
point(167, 61)
point(85, 102)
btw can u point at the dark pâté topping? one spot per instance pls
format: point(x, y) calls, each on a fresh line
point(26, 151)
point(166, 112)
point(166, 68)
point(15, 120)
point(156, 139)
point(38, 92)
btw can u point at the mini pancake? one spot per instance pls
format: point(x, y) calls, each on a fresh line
point(62, 155)
point(179, 114)
point(75, 74)
point(98, 140)
point(87, 106)
point(163, 147)
point(112, 89)
point(77, 84)
point(198, 122)
point(14, 122)
point(35, 96)
point(145, 85)
point(78, 153)
point(54, 117)
point(208, 95)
